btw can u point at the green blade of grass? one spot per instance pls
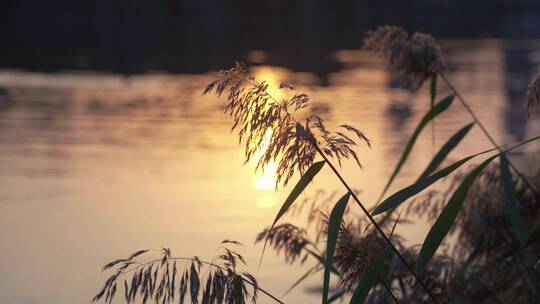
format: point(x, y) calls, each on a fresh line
point(368, 278)
point(334, 223)
point(336, 296)
point(435, 110)
point(445, 150)
point(295, 193)
point(511, 200)
point(402, 195)
point(446, 219)
point(299, 188)
point(441, 155)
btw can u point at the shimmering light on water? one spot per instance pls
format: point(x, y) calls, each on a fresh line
point(266, 179)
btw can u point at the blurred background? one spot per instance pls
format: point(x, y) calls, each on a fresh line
point(107, 145)
point(194, 36)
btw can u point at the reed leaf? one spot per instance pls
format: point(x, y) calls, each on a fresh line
point(334, 224)
point(445, 150)
point(295, 193)
point(299, 188)
point(446, 219)
point(435, 111)
point(336, 296)
point(368, 278)
point(402, 195)
point(511, 200)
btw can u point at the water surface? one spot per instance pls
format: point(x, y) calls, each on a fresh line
point(95, 166)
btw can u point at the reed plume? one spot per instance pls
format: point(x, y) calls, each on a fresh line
point(292, 143)
point(355, 250)
point(163, 279)
point(288, 239)
point(412, 58)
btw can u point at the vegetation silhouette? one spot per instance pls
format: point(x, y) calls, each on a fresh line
point(491, 209)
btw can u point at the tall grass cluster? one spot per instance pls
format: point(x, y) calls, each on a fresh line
point(492, 208)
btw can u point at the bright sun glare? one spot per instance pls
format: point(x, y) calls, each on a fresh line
point(266, 180)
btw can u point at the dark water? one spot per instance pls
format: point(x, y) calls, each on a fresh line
point(96, 165)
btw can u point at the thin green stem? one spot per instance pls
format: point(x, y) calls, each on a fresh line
point(381, 280)
point(433, 93)
point(485, 131)
point(375, 224)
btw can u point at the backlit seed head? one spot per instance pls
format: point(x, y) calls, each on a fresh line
point(413, 58)
point(162, 279)
point(269, 130)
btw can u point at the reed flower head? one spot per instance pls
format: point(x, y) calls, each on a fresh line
point(412, 58)
point(533, 93)
point(287, 238)
point(162, 279)
point(354, 252)
point(292, 143)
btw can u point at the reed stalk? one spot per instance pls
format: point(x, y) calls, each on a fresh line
point(485, 131)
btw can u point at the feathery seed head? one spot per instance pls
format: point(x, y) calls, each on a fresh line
point(160, 280)
point(286, 238)
point(412, 58)
point(270, 132)
point(354, 252)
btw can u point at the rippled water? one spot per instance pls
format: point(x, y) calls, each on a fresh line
point(95, 166)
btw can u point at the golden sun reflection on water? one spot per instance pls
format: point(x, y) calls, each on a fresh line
point(265, 180)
